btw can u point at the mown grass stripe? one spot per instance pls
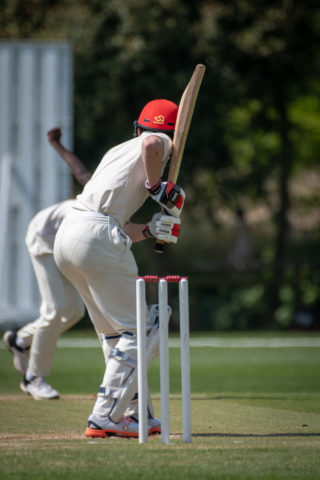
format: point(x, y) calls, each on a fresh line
point(302, 342)
point(212, 342)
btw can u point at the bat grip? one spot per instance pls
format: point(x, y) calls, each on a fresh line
point(159, 246)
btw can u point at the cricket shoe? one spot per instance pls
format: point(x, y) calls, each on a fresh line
point(39, 389)
point(154, 425)
point(20, 355)
point(101, 427)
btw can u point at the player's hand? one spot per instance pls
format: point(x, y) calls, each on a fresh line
point(163, 227)
point(169, 195)
point(54, 135)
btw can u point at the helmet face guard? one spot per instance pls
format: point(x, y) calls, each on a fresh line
point(157, 116)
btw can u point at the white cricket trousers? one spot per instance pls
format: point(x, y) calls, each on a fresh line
point(61, 308)
point(94, 253)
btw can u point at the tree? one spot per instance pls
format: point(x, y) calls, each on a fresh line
point(263, 46)
point(247, 137)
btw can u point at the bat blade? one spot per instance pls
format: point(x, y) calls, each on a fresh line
point(184, 116)
point(185, 112)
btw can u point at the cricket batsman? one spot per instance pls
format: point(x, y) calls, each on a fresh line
point(93, 252)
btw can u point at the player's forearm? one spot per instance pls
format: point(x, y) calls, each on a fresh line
point(78, 170)
point(134, 231)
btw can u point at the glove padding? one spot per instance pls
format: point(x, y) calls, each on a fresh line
point(165, 227)
point(169, 195)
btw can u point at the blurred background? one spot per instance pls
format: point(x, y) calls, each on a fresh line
point(251, 172)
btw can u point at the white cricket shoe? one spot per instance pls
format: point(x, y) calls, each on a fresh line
point(23, 385)
point(154, 425)
point(39, 389)
point(20, 355)
point(100, 427)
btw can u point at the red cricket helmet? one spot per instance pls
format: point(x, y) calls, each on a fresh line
point(158, 115)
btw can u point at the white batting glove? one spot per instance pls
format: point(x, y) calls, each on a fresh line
point(163, 227)
point(169, 195)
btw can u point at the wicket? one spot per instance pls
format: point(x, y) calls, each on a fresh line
point(164, 355)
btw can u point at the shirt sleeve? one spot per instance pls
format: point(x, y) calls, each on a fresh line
point(167, 142)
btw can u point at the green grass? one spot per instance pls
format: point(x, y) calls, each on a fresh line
point(255, 415)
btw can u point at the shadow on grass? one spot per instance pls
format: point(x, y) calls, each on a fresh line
point(254, 435)
point(244, 397)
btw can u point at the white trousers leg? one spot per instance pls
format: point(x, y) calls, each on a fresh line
point(61, 308)
point(94, 254)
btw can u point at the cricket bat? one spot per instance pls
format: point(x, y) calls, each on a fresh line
point(185, 112)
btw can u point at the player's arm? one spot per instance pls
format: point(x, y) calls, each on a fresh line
point(78, 170)
point(169, 195)
point(152, 156)
point(134, 231)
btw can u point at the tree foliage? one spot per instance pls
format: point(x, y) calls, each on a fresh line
point(256, 124)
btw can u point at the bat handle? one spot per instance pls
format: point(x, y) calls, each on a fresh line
point(159, 246)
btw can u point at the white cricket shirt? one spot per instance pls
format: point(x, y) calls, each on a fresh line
point(117, 186)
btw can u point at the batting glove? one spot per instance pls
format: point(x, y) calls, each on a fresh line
point(169, 195)
point(163, 227)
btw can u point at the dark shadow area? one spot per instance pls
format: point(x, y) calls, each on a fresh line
point(254, 435)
